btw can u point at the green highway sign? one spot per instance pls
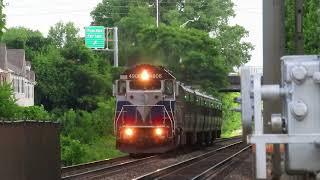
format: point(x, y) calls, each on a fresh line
point(95, 37)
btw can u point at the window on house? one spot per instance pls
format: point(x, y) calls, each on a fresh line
point(28, 92)
point(16, 85)
point(31, 92)
point(19, 86)
point(22, 85)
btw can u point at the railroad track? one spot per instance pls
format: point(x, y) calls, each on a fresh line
point(68, 170)
point(110, 167)
point(94, 169)
point(199, 167)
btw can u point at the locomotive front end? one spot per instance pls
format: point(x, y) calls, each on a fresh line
point(144, 120)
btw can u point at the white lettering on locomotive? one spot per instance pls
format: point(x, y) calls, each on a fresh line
point(138, 76)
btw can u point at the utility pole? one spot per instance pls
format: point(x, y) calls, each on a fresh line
point(299, 38)
point(273, 50)
point(158, 13)
point(115, 41)
point(116, 47)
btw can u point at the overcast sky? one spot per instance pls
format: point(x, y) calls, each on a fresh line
point(41, 14)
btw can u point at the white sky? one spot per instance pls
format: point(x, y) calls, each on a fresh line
point(41, 14)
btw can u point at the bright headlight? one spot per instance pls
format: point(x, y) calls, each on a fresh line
point(145, 75)
point(158, 131)
point(128, 131)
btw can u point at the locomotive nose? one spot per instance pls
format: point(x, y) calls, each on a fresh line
point(145, 102)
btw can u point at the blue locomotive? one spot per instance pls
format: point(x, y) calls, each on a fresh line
point(155, 113)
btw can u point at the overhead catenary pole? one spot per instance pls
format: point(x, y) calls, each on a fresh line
point(299, 38)
point(273, 50)
point(116, 47)
point(157, 5)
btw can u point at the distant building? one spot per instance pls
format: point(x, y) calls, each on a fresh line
point(16, 70)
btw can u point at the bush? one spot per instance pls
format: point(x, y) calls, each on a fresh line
point(34, 113)
point(8, 107)
point(232, 120)
point(88, 134)
point(72, 151)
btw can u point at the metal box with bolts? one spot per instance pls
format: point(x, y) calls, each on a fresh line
point(298, 126)
point(300, 75)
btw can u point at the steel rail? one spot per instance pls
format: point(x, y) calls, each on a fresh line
point(69, 169)
point(108, 168)
point(205, 174)
point(169, 169)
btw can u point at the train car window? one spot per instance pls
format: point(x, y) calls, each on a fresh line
point(149, 85)
point(168, 87)
point(122, 87)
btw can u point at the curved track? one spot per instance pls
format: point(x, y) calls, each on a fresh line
point(91, 170)
point(198, 167)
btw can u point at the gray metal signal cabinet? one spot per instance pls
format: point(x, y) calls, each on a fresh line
point(298, 125)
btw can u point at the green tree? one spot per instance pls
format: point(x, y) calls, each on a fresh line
point(69, 75)
point(190, 53)
point(54, 80)
point(61, 34)
point(177, 46)
point(207, 15)
point(8, 107)
point(2, 19)
point(311, 26)
point(18, 36)
point(231, 119)
point(22, 38)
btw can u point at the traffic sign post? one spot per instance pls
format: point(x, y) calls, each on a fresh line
point(95, 37)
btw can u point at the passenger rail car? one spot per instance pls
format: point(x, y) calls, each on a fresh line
point(155, 113)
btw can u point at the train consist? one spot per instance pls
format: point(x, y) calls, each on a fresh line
point(155, 113)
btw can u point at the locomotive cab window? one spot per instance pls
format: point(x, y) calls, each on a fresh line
point(168, 87)
point(149, 85)
point(122, 87)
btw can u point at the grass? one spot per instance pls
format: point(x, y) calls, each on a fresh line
point(102, 148)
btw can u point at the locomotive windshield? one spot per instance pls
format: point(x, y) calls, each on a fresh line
point(168, 87)
point(149, 85)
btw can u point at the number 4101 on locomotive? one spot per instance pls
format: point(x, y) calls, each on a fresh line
point(155, 113)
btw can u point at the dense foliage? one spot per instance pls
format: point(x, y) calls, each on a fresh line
point(2, 18)
point(232, 119)
point(10, 110)
point(195, 33)
point(74, 84)
point(311, 26)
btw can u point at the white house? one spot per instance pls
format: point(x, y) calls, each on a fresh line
point(16, 70)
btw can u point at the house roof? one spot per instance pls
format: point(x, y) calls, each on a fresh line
point(16, 61)
point(13, 60)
